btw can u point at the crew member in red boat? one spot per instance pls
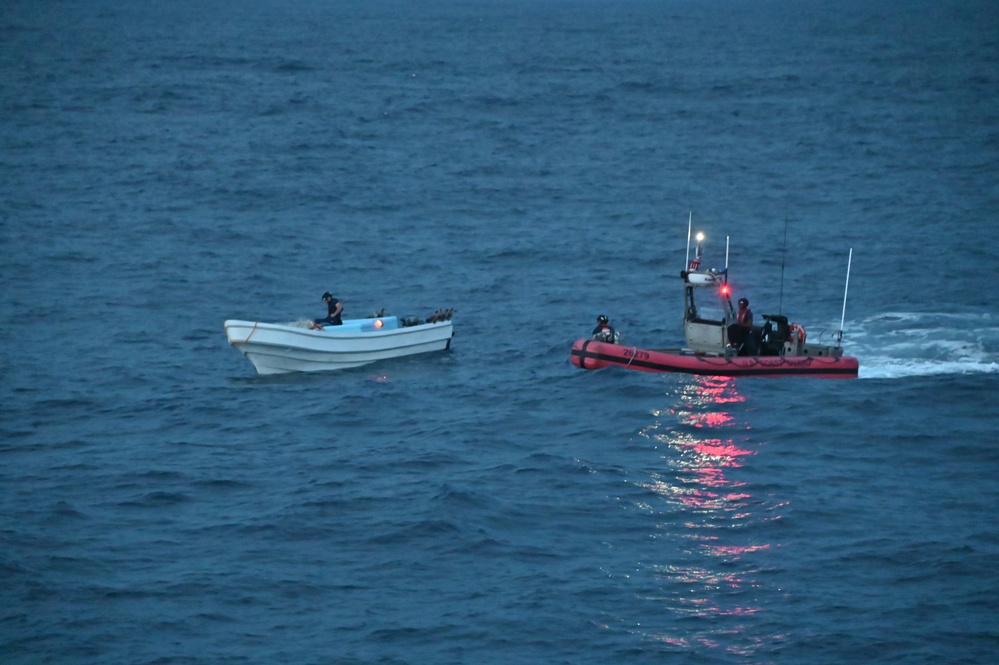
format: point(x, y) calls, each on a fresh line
point(334, 310)
point(744, 319)
point(604, 332)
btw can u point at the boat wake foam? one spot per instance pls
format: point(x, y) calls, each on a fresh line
point(899, 344)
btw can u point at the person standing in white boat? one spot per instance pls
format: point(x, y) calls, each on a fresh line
point(334, 310)
point(744, 319)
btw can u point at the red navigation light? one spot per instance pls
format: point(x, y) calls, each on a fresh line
point(378, 323)
point(725, 290)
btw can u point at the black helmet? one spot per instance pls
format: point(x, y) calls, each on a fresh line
point(327, 295)
point(743, 301)
point(602, 319)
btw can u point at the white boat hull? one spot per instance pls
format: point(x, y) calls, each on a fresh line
point(278, 349)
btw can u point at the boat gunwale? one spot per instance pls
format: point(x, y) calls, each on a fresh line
point(714, 365)
point(327, 333)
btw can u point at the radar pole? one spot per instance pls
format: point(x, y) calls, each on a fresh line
point(846, 289)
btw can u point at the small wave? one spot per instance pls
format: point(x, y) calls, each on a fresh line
point(292, 67)
point(157, 499)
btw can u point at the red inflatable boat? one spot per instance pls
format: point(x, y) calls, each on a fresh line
point(591, 354)
point(721, 341)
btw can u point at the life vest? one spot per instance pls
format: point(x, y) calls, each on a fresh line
point(796, 334)
point(606, 334)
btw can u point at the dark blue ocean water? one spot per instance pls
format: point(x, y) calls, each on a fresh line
point(166, 166)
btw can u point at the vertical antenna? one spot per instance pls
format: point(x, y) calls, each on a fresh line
point(783, 254)
point(842, 320)
point(690, 222)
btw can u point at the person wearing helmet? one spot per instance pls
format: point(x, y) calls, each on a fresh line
point(334, 309)
point(604, 332)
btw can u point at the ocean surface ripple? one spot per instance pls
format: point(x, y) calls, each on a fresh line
point(531, 164)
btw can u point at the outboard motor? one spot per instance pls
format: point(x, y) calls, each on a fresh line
point(775, 332)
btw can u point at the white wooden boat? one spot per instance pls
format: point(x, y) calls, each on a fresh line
point(276, 348)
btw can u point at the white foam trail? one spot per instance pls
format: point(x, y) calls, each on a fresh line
point(890, 369)
point(905, 344)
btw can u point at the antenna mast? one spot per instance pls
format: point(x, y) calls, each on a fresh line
point(842, 320)
point(783, 257)
point(690, 222)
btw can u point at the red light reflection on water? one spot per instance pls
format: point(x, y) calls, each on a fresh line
point(702, 484)
point(712, 576)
